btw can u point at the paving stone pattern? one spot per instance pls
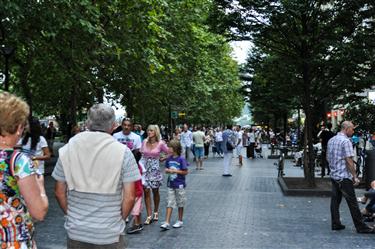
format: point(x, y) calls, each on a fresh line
point(247, 210)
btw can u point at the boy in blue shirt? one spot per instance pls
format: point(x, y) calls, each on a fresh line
point(176, 168)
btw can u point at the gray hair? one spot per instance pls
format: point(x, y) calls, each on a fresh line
point(100, 117)
point(346, 124)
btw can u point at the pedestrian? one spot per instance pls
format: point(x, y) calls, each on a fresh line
point(50, 136)
point(177, 134)
point(343, 176)
point(176, 168)
point(152, 148)
point(207, 142)
point(22, 194)
point(219, 142)
point(198, 138)
point(239, 135)
point(229, 141)
point(95, 183)
point(325, 135)
point(35, 145)
point(186, 141)
point(252, 141)
point(128, 137)
point(137, 208)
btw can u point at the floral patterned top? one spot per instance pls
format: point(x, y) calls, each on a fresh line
point(16, 229)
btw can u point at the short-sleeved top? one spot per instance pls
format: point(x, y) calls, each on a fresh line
point(186, 138)
point(133, 141)
point(228, 136)
point(38, 151)
point(239, 135)
point(219, 136)
point(16, 222)
point(198, 138)
point(96, 218)
point(176, 180)
point(153, 153)
point(339, 148)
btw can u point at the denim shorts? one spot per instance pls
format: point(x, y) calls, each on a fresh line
point(176, 197)
point(199, 152)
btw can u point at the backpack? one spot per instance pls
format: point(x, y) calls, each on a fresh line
point(230, 144)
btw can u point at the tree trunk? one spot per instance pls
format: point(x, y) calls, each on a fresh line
point(24, 71)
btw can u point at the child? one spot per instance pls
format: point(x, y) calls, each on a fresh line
point(176, 168)
point(137, 208)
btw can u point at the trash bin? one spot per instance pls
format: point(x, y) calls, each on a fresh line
point(369, 167)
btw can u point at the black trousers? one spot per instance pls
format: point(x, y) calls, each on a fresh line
point(325, 165)
point(345, 188)
point(206, 149)
point(250, 150)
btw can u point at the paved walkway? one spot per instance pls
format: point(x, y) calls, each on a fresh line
point(247, 210)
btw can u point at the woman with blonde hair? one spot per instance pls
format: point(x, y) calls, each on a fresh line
point(22, 194)
point(152, 149)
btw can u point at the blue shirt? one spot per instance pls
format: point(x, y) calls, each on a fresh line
point(339, 148)
point(176, 180)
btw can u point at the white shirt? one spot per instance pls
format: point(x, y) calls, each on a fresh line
point(251, 137)
point(239, 138)
point(219, 136)
point(133, 141)
point(38, 151)
point(186, 138)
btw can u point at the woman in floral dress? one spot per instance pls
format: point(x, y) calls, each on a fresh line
point(22, 193)
point(152, 149)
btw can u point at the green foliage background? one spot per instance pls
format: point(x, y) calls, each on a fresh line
point(151, 55)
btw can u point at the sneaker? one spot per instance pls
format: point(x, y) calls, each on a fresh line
point(178, 224)
point(165, 226)
point(134, 229)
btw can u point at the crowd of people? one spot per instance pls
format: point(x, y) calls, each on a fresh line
point(105, 173)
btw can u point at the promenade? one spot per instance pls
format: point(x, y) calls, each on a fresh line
point(247, 210)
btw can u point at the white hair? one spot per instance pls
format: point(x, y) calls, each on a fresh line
point(100, 117)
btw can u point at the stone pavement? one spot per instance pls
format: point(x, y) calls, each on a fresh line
point(247, 210)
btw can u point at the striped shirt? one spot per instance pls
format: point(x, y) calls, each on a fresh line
point(339, 148)
point(96, 218)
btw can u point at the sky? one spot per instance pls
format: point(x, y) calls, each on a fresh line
point(240, 50)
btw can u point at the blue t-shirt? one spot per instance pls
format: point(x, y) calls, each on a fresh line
point(176, 180)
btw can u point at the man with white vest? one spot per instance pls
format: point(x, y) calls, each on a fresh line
point(95, 188)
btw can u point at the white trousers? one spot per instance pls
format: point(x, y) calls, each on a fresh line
point(227, 161)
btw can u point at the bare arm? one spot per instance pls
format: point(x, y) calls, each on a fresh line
point(180, 172)
point(46, 155)
point(61, 197)
point(350, 166)
point(128, 198)
point(34, 194)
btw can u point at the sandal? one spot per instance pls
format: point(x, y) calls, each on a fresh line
point(148, 221)
point(156, 216)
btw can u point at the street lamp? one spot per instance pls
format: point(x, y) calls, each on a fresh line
point(7, 52)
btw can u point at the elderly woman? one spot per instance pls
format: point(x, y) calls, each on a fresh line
point(151, 151)
point(22, 193)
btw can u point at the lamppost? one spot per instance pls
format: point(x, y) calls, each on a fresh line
point(7, 52)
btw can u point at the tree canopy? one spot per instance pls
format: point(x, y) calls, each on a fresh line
point(323, 48)
point(151, 55)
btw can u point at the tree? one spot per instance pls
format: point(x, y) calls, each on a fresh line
point(320, 41)
point(147, 54)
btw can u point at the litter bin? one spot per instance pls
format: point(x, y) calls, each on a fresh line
point(369, 167)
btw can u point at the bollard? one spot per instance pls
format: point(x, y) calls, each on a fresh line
point(369, 170)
